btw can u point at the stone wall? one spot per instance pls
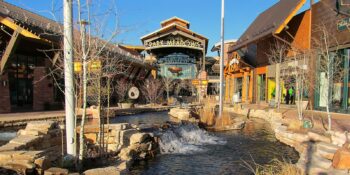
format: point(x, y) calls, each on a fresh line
point(316, 150)
point(34, 148)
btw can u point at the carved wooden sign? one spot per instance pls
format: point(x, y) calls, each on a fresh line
point(174, 42)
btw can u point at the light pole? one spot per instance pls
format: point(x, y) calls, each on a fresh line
point(68, 77)
point(221, 99)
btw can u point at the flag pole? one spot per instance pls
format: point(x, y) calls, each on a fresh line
point(222, 53)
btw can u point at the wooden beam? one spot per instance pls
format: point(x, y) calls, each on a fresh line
point(11, 24)
point(9, 49)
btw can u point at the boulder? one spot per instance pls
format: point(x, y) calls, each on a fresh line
point(181, 114)
point(56, 171)
point(120, 126)
point(112, 170)
point(318, 137)
point(341, 159)
point(138, 138)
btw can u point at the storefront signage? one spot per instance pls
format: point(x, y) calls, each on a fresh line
point(195, 82)
point(77, 67)
point(199, 82)
point(93, 66)
point(174, 43)
point(344, 24)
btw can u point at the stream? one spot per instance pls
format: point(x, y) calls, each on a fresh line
point(187, 149)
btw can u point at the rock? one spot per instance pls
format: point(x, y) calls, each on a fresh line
point(326, 150)
point(181, 114)
point(318, 137)
point(120, 126)
point(341, 159)
point(23, 166)
point(114, 147)
point(138, 138)
point(338, 138)
point(42, 126)
point(11, 146)
point(300, 137)
point(56, 171)
point(91, 137)
point(112, 170)
point(320, 161)
point(26, 140)
point(28, 132)
point(127, 154)
point(27, 155)
point(124, 137)
point(42, 163)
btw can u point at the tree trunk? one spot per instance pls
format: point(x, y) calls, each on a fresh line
point(108, 106)
point(278, 86)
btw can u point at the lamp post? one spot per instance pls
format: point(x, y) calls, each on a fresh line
point(68, 77)
point(221, 99)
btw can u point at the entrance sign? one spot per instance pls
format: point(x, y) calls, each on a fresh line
point(174, 41)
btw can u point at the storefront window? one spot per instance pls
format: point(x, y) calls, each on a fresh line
point(261, 87)
point(331, 81)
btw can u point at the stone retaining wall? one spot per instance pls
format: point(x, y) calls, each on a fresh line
point(40, 144)
point(34, 148)
point(316, 150)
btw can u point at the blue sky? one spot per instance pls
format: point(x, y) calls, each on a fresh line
point(140, 17)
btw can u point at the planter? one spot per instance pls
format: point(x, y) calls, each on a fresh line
point(126, 105)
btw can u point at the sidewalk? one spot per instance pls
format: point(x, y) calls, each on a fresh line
point(17, 119)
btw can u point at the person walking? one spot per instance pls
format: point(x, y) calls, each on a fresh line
point(287, 97)
point(291, 94)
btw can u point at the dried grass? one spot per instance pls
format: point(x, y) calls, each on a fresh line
point(276, 167)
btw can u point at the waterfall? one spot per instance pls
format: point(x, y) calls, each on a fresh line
point(186, 139)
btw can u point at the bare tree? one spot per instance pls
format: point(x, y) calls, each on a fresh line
point(101, 60)
point(330, 67)
point(152, 90)
point(168, 85)
point(277, 56)
point(122, 89)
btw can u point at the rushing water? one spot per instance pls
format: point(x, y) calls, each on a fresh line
point(7, 134)
point(188, 149)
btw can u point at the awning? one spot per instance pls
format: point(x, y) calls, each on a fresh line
point(272, 21)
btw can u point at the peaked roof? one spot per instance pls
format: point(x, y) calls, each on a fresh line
point(173, 20)
point(272, 21)
point(37, 23)
point(172, 24)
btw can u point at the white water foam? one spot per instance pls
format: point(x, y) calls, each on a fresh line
point(186, 139)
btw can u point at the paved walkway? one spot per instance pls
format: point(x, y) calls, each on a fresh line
point(15, 119)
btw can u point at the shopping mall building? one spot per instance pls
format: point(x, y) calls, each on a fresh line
point(285, 24)
point(31, 49)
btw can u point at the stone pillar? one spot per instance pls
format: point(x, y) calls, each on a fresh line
point(232, 88)
point(245, 88)
point(42, 89)
point(5, 104)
